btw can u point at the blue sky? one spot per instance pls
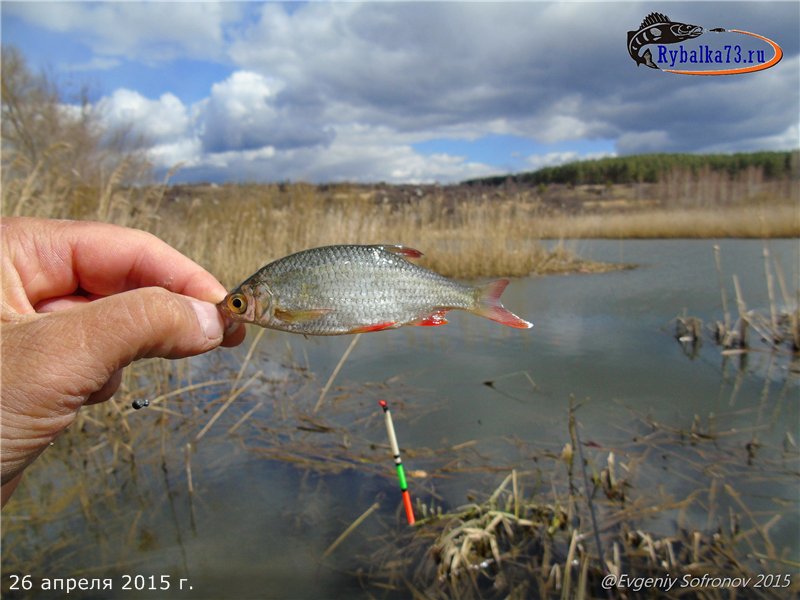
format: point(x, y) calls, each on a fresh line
point(404, 92)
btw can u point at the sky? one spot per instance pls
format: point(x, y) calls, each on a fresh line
point(411, 92)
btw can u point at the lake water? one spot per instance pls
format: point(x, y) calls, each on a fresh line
point(257, 526)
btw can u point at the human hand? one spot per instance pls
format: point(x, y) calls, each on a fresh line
point(81, 301)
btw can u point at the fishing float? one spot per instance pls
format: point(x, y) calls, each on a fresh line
point(401, 474)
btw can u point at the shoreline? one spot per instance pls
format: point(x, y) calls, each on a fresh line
point(464, 232)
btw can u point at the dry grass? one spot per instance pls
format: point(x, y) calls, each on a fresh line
point(233, 230)
point(467, 237)
point(743, 221)
point(556, 532)
point(258, 224)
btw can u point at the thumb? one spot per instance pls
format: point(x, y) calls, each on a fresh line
point(144, 323)
point(79, 349)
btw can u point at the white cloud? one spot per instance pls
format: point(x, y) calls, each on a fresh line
point(137, 30)
point(244, 112)
point(157, 121)
point(358, 153)
point(550, 159)
point(367, 153)
point(340, 90)
point(787, 139)
point(186, 152)
point(241, 132)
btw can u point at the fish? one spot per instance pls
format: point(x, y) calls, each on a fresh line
point(656, 28)
point(343, 289)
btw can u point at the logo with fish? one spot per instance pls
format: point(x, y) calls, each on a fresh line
point(727, 55)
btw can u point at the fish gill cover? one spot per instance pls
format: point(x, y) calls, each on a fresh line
point(659, 30)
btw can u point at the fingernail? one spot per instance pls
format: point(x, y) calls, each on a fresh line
point(209, 318)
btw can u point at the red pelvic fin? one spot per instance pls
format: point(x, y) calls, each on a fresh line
point(433, 320)
point(376, 327)
point(402, 250)
point(489, 306)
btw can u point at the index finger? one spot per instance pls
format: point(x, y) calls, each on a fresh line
point(58, 258)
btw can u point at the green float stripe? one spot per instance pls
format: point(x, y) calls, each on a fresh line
point(401, 475)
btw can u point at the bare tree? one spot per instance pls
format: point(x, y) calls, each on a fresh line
point(59, 149)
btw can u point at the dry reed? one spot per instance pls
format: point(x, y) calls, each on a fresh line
point(233, 230)
point(513, 545)
point(770, 221)
point(778, 331)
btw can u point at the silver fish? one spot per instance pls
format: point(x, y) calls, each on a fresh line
point(335, 290)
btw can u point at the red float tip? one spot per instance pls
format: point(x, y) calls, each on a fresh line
point(408, 507)
point(383, 404)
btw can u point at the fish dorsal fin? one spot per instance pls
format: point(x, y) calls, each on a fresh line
point(654, 18)
point(402, 250)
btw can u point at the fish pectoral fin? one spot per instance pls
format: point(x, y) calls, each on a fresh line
point(402, 250)
point(376, 327)
point(433, 320)
point(300, 316)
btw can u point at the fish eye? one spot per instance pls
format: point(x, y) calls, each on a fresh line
point(237, 303)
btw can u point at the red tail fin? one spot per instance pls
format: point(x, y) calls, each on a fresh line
point(489, 306)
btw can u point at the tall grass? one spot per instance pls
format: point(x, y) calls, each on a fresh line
point(234, 230)
point(747, 221)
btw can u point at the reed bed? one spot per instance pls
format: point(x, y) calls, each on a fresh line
point(561, 519)
point(775, 329)
point(591, 513)
point(234, 229)
point(262, 223)
point(465, 236)
point(739, 221)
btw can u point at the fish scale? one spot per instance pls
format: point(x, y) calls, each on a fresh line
point(351, 289)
